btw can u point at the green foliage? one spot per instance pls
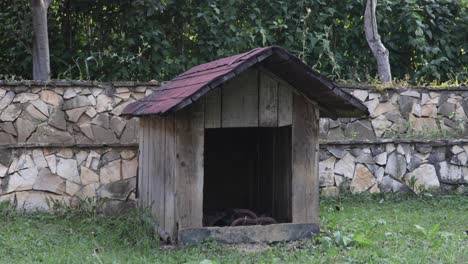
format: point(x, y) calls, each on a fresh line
point(157, 39)
point(382, 228)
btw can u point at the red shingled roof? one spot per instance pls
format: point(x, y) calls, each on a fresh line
point(194, 83)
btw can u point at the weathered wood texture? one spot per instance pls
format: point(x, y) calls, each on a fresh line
point(305, 178)
point(256, 98)
point(268, 101)
point(212, 102)
point(189, 166)
point(240, 101)
point(278, 162)
point(156, 170)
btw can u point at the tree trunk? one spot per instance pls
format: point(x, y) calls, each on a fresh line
point(41, 59)
point(375, 44)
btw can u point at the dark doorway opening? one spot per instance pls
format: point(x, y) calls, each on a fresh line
point(247, 168)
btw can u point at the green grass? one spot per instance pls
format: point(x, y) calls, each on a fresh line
point(356, 229)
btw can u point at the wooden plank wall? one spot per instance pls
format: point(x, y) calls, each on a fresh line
point(305, 178)
point(170, 179)
point(189, 166)
point(156, 186)
point(171, 170)
point(255, 98)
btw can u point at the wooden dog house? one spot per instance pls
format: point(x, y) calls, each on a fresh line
point(237, 133)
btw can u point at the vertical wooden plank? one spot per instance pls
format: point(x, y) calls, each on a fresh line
point(189, 166)
point(169, 174)
point(305, 180)
point(285, 102)
point(213, 108)
point(148, 165)
point(156, 161)
point(268, 101)
point(141, 162)
point(240, 101)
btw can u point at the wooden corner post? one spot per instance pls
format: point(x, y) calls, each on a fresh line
point(305, 177)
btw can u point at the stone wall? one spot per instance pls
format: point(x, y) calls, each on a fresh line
point(66, 141)
point(403, 113)
point(414, 139)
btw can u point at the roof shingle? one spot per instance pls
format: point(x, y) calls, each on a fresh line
point(194, 83)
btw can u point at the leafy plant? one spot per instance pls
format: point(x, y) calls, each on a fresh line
point(97, 40)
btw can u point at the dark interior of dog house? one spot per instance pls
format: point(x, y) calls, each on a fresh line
point(247, 178)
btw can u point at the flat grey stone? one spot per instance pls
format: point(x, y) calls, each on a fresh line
point(339, 153)
point(411, 93)
point(360, 129)
point(129, 168)
point(51, 98)
point(108, 157)
point(35, 113)
point(406, 105)
point(26, 128)
point(362, 180)
point(103, 135)
point(450, 173)
point(365, 158)
point(326, 172)
point(75, 102)
point(10, 113)
point(425, 178)
point(345, 166)
point(75, 114)
point(117, 125)
point(118, 190)
point(5, 156)
point(9, 128)
point(323, 155)
point(396, 165)
point(443, 98)
point(101, 120)
point(415, 162)
point(69, 93)
point(49, 182)
point(25, 97)
point(68, 169)
point(424, 148)
point(464, 104)
point(335, 134)
point(388, 184)
point(88, 176)
point(6, 100)
point(93, 160)
point(130, 135)
point(48, 134)
point(39, 159)
point(380, 125)
point(111, 172)
point(377, 149)
point(361, 94)
point(41, 106)
point(437, 155)
point(57, 119)
point(446, 109)
point(104, 103)
point(381, 158)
